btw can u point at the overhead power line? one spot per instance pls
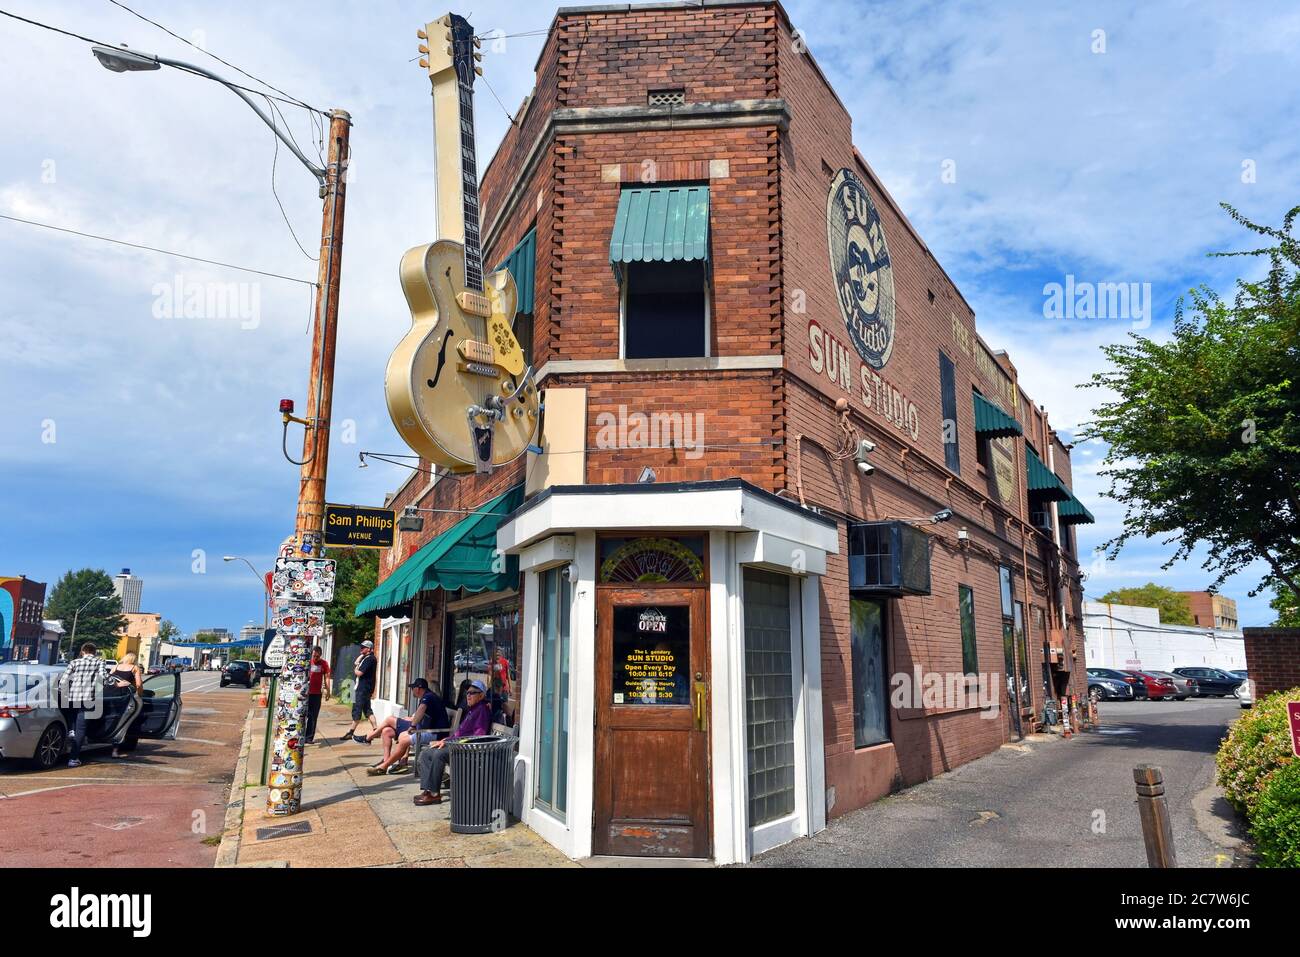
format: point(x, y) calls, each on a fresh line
point(155, 249)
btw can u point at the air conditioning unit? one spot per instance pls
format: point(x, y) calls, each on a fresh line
point(889, 558)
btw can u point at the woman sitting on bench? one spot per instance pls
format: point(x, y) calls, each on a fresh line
point(477, 720)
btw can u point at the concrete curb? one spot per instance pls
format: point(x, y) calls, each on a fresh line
point(233, 826)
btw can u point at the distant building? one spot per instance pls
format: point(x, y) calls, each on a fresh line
point(128, 588)
point(1212, 611)
point(140, 636)
point(52, 635)
point(22, 602)
point(1130, 636)
point(249, 632)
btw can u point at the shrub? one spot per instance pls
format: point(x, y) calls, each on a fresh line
point(1275, 821)
point(1256, 746)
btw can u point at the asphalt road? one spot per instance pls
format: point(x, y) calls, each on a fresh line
point(152, 809)
point(1049, 803)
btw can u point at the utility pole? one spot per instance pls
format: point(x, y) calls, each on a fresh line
point(284, 793)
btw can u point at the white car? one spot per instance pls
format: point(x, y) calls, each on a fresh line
point(33, 726)
point(1245, 691)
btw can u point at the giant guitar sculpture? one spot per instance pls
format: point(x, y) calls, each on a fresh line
point(458, 387)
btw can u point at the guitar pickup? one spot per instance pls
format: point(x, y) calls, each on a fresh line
point(472, 350)
point(474, 303)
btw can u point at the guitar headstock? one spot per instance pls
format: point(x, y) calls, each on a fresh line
point(451, 46)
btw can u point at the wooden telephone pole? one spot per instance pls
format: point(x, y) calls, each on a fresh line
point(287, 750)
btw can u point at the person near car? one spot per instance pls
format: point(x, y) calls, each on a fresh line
point(476, 720)
point(363, 669)
point(318, 672)
point(397, 733)
point(127, 674)
point(82, 689)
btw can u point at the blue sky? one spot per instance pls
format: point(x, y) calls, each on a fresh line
point(1107, 166)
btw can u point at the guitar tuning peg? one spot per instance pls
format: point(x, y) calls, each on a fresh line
point(478, 56)
point(421, 34)
point(478, 42)
point(478, 70)
point(424, 48)
point(424, 62)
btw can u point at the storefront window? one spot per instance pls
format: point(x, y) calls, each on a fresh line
point(870, 709)
point(966, 606)
point(553, 692)
point(484, 648)
point(769, 697)
point(1022, 644)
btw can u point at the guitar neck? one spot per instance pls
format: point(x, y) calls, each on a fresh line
point(469, 188)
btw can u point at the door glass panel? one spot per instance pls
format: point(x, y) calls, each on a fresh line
point(870, 714)
point(652, 655)
point(552, 731)
point(162, 686)
point(769, 697)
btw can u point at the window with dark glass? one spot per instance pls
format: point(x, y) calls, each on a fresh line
point(553, 603)
point(665, 310)
point(948, 389)
point(870, 680)
point(966, 606)
point(981, 443)
point(484, 647)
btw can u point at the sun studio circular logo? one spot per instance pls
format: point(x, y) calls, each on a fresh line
point(864, 277)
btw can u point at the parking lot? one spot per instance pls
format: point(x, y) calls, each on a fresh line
point(164, 805)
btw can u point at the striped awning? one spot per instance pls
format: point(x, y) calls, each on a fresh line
point(661, 224)
point(1042, 481)
point(522, 263)
point(1072, 512)
point(461, 557)
point(991, 421)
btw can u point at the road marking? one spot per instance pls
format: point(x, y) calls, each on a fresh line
point(57, 787)
point(205, 741)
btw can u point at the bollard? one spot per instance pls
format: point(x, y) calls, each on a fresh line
point(1157, 832)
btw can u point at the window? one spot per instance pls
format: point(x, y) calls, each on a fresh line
point(1004, 576)
point(666, 97)
point(483, 648)
point(665, 310)
point(769, 696)
point(870, 709)
point(981, 444)
point(553, 692)
point(948, 387)
point(966, 606)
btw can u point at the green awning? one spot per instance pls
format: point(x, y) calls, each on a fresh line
point(661, 224)
point(1041, 480)
point(1072, 512)
point(461, 557)
point(991, 421)
point(522, 263)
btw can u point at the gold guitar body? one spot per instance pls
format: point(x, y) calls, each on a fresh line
point(460, 355)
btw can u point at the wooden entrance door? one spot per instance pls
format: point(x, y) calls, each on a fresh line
point(652, 718)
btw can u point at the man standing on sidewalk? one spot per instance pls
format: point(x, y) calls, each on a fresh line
point(318, 670)
point(82, 689)
point(364, 671)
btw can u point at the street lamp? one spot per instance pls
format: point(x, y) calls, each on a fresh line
point(125, 60)
point(266, 614)
point(72, 642)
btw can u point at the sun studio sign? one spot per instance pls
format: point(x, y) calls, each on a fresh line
point(864, 277)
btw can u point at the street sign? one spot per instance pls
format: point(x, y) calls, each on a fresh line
point(303, 579)
point(1293, 713)
point(355, 526)
point(272, 653)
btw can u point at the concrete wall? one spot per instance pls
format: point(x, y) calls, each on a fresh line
point(1127, 636)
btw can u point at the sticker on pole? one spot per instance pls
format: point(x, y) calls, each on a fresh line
point(303, 579)
point(1293, 714)
point(299, 621)
point(272, 653)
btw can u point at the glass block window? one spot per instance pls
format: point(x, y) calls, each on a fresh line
point(769, 697)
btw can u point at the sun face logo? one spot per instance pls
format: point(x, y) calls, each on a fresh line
point(864, 276)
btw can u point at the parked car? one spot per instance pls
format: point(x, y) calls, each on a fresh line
point(1245, 691)
point(34, 728)
point(1106, 684)
point(239, 672)
point(1156, 687)
point(1184, 687)
point(1211, 682)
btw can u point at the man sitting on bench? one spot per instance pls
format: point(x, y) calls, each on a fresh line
point(477, 720)
point(397, 732)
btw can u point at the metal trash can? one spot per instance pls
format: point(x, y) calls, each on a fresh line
point(481, 783)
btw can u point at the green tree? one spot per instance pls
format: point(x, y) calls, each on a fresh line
point(99, 621)
point(1174, 607)
point(1287, 606)
point(1204, 432)
point(357, 576)
point(167, 630)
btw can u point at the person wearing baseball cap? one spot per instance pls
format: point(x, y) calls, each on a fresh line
point(477, 720)
point(364, 671)
point(397, 733)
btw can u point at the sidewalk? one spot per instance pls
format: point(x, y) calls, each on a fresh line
point(349, 819)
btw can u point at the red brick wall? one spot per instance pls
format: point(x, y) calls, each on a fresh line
point(1273, 659)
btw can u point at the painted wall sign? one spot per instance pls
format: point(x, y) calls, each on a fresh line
point(988, 366)
point(354, 526)
point(828, 356)
point(864, 275)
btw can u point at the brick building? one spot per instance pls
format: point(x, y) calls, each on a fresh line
point(784, 488)
point(1210, 610)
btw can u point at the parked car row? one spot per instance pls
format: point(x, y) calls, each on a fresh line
point(1129, 684)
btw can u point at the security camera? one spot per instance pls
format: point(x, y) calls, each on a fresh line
point(865, 448)
point(943, 515)
point(866, 468)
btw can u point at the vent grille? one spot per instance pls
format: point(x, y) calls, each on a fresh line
point(666, 97)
